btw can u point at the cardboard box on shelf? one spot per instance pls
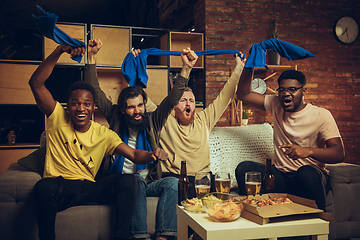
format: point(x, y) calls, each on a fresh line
point(300, 208)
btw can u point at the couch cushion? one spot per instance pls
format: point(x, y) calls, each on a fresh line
point(231, 145)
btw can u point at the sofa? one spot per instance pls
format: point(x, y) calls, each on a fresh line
point(228, 147)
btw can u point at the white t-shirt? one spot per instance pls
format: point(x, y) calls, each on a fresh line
point(129, 166)
point(310, 127)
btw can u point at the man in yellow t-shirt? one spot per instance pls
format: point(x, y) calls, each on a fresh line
point(75, 147)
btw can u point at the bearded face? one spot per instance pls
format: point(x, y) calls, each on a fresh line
point(135, 113)
point(137, 121)
point(185, 110)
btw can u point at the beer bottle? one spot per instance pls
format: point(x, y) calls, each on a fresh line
point(183, 185)
point(269, 179)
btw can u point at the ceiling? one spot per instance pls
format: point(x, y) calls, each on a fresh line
point(139, 13)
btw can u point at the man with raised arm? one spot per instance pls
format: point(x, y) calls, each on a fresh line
point(140, 129)
point(306, 137)
point(185, 135)
point(75, 148)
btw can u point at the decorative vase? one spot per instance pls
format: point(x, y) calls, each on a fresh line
point(274, 57)
point(245, 121)
point(11, 137)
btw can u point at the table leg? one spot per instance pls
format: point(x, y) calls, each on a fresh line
point(182, 229)
point(320, 237)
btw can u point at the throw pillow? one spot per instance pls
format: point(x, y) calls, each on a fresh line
point(35, 161)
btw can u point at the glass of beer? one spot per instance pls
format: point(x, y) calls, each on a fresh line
point(222, 182)
point(202, 183)
point(252, 183)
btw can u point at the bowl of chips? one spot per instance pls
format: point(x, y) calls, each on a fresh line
point(223, 207)
point(193, 205)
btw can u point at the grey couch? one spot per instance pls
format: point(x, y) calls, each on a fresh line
point(227, 144)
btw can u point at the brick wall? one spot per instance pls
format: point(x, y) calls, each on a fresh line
point(333, 76)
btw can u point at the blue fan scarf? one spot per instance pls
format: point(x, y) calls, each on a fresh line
point(142, 143)
point(46, 24)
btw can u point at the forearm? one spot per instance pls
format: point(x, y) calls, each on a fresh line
point(142, 157)
point(334, 154)
point(185, 71)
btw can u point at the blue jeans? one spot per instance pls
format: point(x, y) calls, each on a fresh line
point(166, 220)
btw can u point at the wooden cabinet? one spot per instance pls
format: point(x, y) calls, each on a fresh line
point(18, 109)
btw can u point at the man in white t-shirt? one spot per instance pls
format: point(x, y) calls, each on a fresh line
point(306, 138)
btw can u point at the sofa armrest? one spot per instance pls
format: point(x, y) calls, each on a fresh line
point(345, 193)
point(17, 184)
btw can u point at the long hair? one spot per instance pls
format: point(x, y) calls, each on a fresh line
point(130, 92)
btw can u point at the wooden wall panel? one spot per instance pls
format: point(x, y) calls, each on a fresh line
point(157, 87)
point(14, 86)
point(116, 44)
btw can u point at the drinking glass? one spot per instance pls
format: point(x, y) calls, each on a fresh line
point(222, 182)
point(202, 183)
point(253, 183)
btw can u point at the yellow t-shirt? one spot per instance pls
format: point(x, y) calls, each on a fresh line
point(72, 154)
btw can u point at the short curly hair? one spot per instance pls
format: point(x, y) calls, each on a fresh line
point(293, 74)
point(81, 85)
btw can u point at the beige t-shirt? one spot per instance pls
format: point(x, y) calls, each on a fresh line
point(72, 154)
point(310, 127)
point(191, 143)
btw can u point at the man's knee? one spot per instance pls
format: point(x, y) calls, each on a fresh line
point(171, 182)
point(44, 187)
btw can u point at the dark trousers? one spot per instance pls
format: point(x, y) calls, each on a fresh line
point(57, 194)
point(307, 182)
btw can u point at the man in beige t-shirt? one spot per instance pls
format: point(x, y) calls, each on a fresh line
point(185, 135)
point(306, 137)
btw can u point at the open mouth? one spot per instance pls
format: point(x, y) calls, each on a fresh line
point(81, 117)
point(137, 117)
point(187, 111)
point(287, 102)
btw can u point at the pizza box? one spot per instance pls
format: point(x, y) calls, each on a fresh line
point(300, 208)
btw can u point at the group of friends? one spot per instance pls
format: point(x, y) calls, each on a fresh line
point(140, 154)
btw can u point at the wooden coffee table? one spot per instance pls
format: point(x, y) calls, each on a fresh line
point(242, 228)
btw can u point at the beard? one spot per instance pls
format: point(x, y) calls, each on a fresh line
point(137, 124)
point(182, 119)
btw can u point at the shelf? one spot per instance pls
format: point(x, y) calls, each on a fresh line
point(20, 146)
point(276, 68)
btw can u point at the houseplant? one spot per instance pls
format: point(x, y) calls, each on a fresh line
point(274, 57)
point(244, 117)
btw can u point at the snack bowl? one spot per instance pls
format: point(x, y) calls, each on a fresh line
point(223, 207)
point(193, 205)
